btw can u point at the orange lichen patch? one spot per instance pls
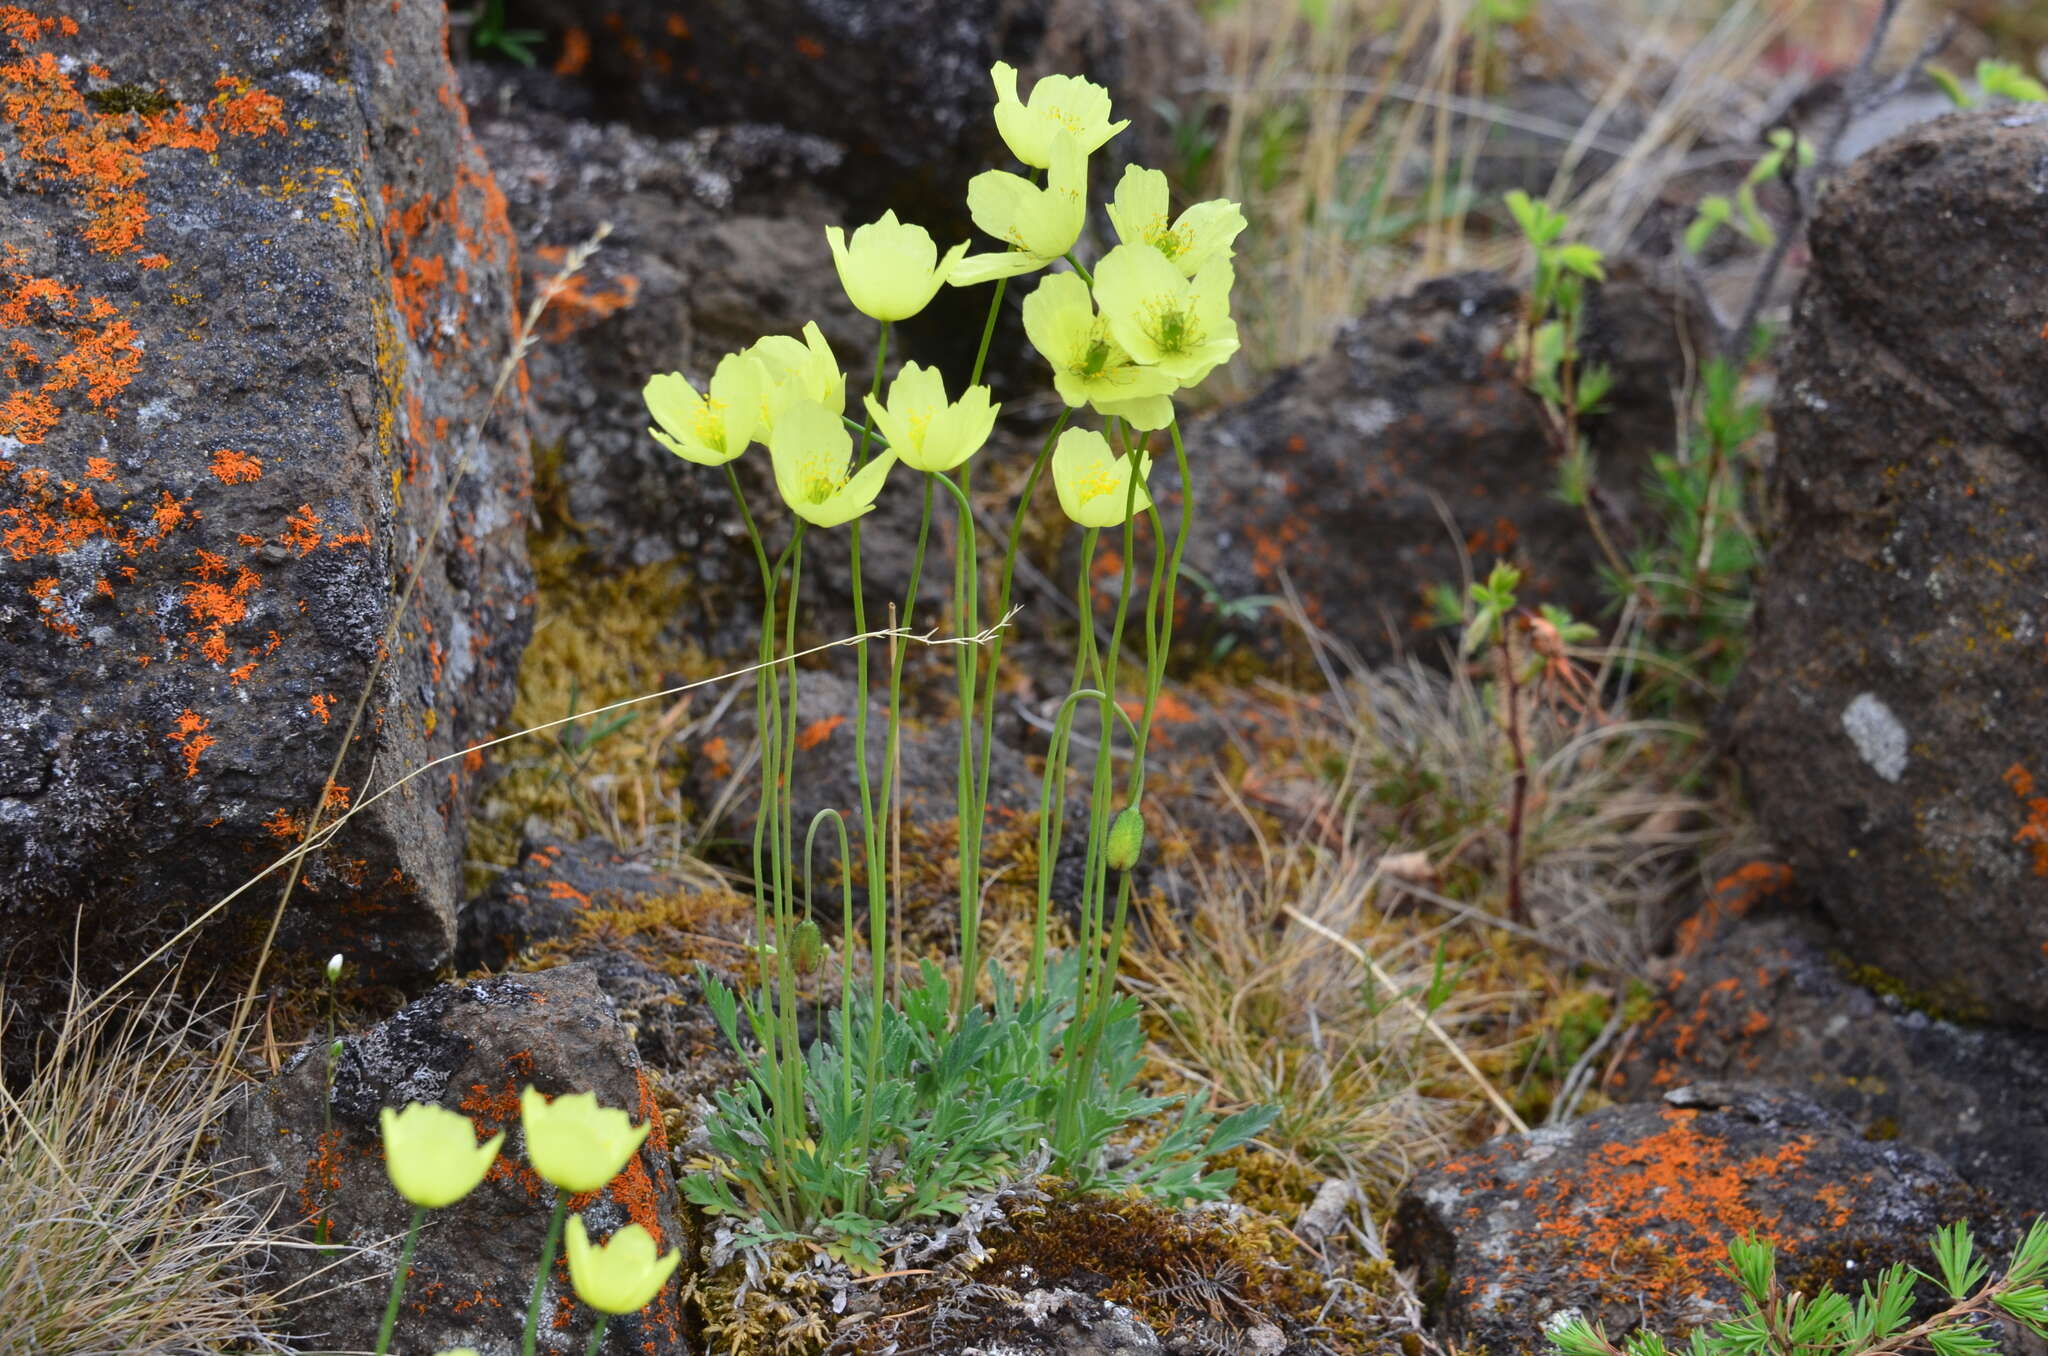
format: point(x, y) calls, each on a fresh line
point(580, 302)
point(2034, 832)
point(818, 731)
point(83, 346)
point(809, 47)
point(154, 261)
point(98, 468)
point(561, 889)
point(338, 798)
point(284, 826)
point(214, 605)
point(1732, 896)
point(323, 706)
point(302, 530)
point(47, 519)
point(189, 733)
point(51, 605)
point(1659, 1208)
point(99, 156)
point(575, 51)
point(230, 467)
point(244, 110)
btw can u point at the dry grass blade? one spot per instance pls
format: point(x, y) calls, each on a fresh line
point(111, 1241)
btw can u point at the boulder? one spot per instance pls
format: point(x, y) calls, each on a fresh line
point(256, 287)
point(1364, 474)
point(1774, 1000)
point(471, 1048)
point(904, 87)
point(1625, 1215)
point(1892, 723)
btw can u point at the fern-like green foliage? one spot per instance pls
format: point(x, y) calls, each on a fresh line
point(1877, 1322)
point(954, 1106)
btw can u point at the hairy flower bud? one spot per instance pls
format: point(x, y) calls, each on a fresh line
point(1126, 838)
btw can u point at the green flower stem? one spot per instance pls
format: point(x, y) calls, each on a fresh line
point(786, 919)
point(1086, 276)
point(878, 896)
point(540, 1277)
point(988, 330)
point(597, 1335)
point(874, 860)
point(1097, 982)
point(867, 427)
point(1155, 677)
point(966, 604)
point(398, 1278)
point(1005, 579)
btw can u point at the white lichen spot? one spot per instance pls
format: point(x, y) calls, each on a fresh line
point(1561, 1320)
point(1877, 735)
point(1372, 418)
point(157, 411)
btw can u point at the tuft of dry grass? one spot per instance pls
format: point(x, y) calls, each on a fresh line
point(1354, 970)
point(114, 1241)
point(1356, 133)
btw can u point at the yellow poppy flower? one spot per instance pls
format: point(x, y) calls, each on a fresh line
point(1180, 325)
point(621, 1275)
point(1058, 103)
point(432, 1153)
point(1204, 232)
point(1038, 224)
point(813, 458)
point(796, 369)
point(923, 429)
point(575, 1143)
point(1088, 364)
point(1094, 483)
point(890, 269)
point(713, 428)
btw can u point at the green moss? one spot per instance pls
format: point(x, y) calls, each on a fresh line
point(130, 99)
point(1942, 1004)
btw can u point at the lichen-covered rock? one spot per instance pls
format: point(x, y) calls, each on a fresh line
point(1775, 1001)
point(471, 1048)
point(716, 239)
point(1893, 720)
point(554, 885)
point(905, 87)
point(1624, 1215)
point(1360, 475)
point(255, 288)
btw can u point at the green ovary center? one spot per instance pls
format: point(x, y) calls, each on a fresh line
point(1095, 358)
point(1166, 240)
point(1172, 327)
point(818, 483)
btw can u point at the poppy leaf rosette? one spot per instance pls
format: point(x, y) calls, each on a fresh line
point(890, 269)
point(795, 370)
point(1093, 483)
point(716, 426)
point(813, 458)
point(621, 1275)
point(1038, 224)
point(1206, 231)
point(924, 429)
point(432, 1153)
point(1180, 325)
point(1088, 365)
point(1058, 103)
point(575, 1143)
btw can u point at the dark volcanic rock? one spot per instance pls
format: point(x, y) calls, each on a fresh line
point(1893, 722)
point(1624, 1215)
point(470, 1048)
point(255, 287)
point(1361, 474)
point(716, 240)
point(541, 898)
point(1770, 1002)
point(905, 87)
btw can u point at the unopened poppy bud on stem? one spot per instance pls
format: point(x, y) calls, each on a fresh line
point(1126, 839)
